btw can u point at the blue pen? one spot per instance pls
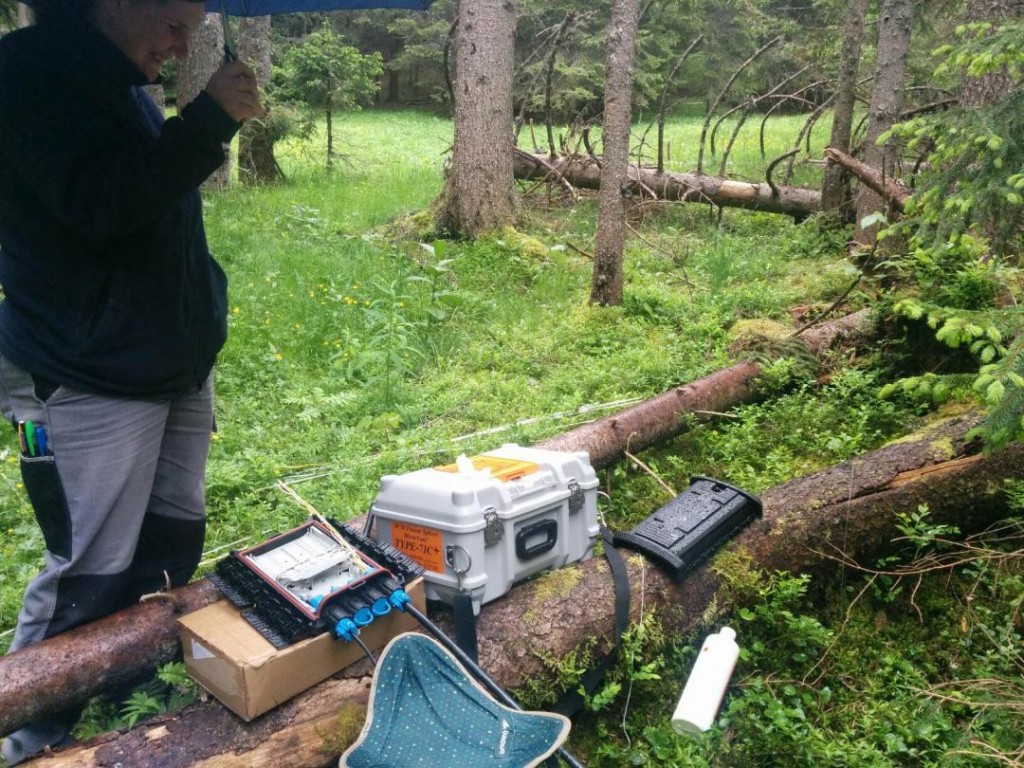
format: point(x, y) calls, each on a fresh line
point(41, 442)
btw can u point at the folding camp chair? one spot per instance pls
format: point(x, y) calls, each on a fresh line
point(426, 711)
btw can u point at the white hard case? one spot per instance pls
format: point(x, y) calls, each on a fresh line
point(504, 530)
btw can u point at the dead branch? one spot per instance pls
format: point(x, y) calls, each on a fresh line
point(563, 31)
point(664, 94)
point(771, 167)
point(553, 171)
point(725, 89)
point(894, 193)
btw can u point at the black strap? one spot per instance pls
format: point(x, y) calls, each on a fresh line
point(465, 623)
point(572, 700)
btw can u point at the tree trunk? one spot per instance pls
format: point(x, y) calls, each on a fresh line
point(886, 102)
point(330, 135)
point(205, 52)
point(69, 668)
point(813, 525)
point(256, 162)
point(835, 192)
point(479, 194)
point(583, 172)
point(610, 238)
point(977, 92)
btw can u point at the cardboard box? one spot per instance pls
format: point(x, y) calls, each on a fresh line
point(250, 676)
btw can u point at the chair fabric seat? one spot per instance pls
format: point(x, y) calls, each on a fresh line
point(426, 711)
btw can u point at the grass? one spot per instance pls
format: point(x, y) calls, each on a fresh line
point(355, 351)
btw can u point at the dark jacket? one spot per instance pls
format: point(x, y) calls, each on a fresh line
point(108, 283)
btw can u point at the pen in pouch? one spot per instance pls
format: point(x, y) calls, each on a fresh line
point(41, 440)
point(30, 439)
point(21, 438)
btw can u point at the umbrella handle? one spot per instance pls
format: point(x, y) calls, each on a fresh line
point(229, 48)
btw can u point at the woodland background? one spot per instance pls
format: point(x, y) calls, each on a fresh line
point(408, 284)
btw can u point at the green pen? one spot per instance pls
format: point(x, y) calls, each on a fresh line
point(30, 438)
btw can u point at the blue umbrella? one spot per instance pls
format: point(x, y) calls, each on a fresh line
point(266, 7)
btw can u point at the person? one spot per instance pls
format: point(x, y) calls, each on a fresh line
point(113, 308)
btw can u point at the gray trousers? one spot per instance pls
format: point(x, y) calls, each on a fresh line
point(119, 498)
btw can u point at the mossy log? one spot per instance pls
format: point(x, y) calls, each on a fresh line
point(846, 512)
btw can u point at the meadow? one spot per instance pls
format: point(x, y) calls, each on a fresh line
point(359, 346)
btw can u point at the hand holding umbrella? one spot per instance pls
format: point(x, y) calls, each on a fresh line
point(234, 88)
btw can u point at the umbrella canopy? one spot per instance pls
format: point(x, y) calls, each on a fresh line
point(266, 7)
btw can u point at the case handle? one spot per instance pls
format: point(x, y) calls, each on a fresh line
point(526, 549)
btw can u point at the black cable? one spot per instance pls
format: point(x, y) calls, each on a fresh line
point(369, 654)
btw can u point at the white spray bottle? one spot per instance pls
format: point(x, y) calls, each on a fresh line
point(705, 687)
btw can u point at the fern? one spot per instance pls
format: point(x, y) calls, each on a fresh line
point(140, 705)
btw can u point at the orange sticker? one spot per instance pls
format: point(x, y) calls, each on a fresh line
point(424, 545)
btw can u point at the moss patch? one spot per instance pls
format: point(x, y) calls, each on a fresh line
point(346, 729)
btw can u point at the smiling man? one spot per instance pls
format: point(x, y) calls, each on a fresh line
point(113, 308)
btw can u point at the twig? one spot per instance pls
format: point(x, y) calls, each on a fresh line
point(580, 251)
point(721, 95)
point(839, 633)
point(828, 309)
point(551, 169)
point(652, 473)
point(655, 246)
point(716, 413)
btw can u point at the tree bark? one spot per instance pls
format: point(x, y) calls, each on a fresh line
point(811, 525)
point(610, 238)
point(834, 190)
point(479, 194)
point(886, 103)
point(69, 668)
point(256, 162)
point(205, 51)
point(581, 171)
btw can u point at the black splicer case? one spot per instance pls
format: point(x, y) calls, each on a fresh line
point(692, 526)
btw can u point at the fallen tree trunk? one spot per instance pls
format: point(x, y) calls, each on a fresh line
point(666, 415)
point(845, 512)
point(581, 171)
point(70, 668)
point(895, 193)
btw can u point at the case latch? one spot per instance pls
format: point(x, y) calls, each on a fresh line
point(493, 530)
point(576, 497)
